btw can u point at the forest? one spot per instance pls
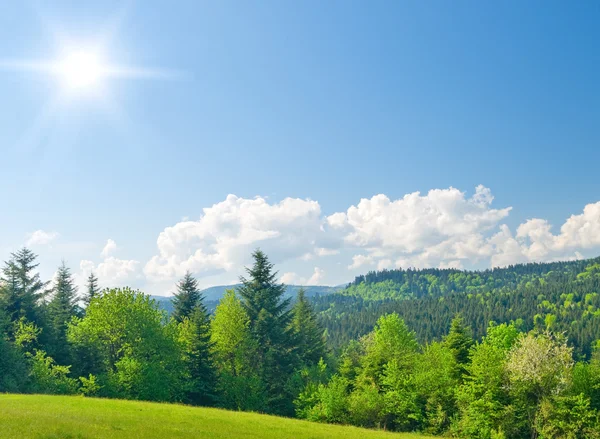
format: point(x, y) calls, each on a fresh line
point(502, 353)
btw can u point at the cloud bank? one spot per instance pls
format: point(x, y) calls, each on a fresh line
point(445, 228)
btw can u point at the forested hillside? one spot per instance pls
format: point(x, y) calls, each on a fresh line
point(558, 296)
point(507, 353)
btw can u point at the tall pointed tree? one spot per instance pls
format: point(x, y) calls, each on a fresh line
point(309, 334)
point(459, 340)
point(270, 318)
point(61, 309)
point(187, 297)
point(22, 289)
point(196, 338)
point(92, 288)
point(192, 315)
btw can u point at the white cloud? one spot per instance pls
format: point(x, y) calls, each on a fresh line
point(109, 248)
point(40, 237)
point(441, 228)
point(225, 235)
point(359, 261)
point(317, 277)
point(292, 278)
point(111, 272)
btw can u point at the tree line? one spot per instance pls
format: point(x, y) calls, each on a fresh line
point(432, 361)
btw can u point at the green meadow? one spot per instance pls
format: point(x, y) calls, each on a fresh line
point(75, 417)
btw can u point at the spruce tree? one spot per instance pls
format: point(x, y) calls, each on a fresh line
point(459, 340)
point(270, 319)
point(309, 334)
point(200, 389)
point(187, 297)
point(92, 288)
point(61, 309)
point(22, 291)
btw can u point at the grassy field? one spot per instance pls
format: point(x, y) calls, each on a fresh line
point(72, 417)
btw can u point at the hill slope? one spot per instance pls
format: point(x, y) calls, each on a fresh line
point(212, 295)
point(57, 417)
point(560, 296)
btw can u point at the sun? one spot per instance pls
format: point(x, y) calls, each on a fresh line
point(81, 70)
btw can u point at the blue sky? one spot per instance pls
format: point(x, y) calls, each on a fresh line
point(331, 102)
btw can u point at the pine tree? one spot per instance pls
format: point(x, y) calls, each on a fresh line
point(187, 298)
point(309, 334)
point(200, 389)
point(92, 288)
point(270, 319)
point(61, 309)
point(22, 290)
point(459, 340)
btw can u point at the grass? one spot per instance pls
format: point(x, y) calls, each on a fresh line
point(73, 417)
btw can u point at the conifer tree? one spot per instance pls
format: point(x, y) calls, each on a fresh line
point(92, 288)
point(22, 290)
point(61, 309)
point(200, 388)
point(270, 319)
point(459, 340)
point(309, 334)
point(187, 297)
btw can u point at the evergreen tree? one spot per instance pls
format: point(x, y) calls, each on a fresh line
point(61, 309)
point(308, 331)
point(22, 290)
point(459, 340)
point(92, 288)
point(187, 297)
point(270, 319)
point(197, 347)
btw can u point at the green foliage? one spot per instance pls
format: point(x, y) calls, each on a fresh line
point(92, 288)
point(21, 289)
point(61, 309)
point(187, 298)
point(49, 377)
point(134, 354)
point(239, 384)
point(568, 417)
point(270, 324)
point(194, 337)
point(308, 332)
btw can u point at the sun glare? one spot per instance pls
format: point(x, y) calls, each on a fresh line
point(81, 70)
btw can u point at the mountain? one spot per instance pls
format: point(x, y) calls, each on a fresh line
point(561, 297)
point(212, 295)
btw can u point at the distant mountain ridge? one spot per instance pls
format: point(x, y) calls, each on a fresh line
point(213, 294)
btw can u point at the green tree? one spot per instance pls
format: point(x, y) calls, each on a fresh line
point(61, 309)
point(196, 345)
point(539, 367)
point(459, 340)
point(234, 352)
point(92, 288)
point(131, 350)
point(308, 331)
point(187, 297)
point(270, 318)
point(22, 290)
point(13, 368)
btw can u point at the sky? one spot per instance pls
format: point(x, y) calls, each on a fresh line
point(339, 137)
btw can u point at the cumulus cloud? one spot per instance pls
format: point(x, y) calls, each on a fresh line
point(225, 235)
point(40, 237)
point(111, 271)
point(445, 228)
point(292, 278)
point(109, 248)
